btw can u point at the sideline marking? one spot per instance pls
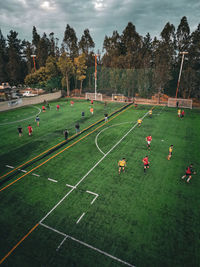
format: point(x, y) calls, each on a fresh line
point(63, 142)
point(19, 243)
point(80, 218)
point(65, 196)
point(87, 245)
point(58, 153)
point(52, 180)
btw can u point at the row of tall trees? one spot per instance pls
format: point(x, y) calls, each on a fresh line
point(130, 63)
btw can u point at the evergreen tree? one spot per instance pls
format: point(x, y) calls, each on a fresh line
point(70, 42)
point(14, 66)
point(183, 35)
point(3, 59)
point(86, 44)
point(43, 50)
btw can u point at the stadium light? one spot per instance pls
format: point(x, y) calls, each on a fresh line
point(95, 75)
point(183, 54)
point(34, 56)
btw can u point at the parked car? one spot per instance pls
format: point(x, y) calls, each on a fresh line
point(28, 93)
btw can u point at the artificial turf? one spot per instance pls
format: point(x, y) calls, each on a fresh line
point(142, 219)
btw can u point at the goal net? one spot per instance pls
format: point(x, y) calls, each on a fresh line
point(93, 96)
point(180, 102)
point(118, 97)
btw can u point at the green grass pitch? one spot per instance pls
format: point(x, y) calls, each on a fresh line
point(83, 211)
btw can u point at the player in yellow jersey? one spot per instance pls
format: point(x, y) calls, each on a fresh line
point(139, 122)
point(179, 113)
point(122, 165)
point(170, 152)
point(150, 113)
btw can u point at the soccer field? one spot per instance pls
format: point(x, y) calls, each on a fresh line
point(70, 207)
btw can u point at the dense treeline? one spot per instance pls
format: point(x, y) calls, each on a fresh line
point(130, 63)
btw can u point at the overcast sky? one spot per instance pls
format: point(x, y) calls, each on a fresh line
point(101, 17)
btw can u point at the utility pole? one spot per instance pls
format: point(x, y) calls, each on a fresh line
point(95, 75)
point(183, 54)
point(34, 56)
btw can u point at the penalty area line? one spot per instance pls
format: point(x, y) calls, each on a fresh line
point(85, 244)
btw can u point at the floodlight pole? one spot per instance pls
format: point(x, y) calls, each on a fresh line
point(34, 56)
point(183, 54)
point(95, 76)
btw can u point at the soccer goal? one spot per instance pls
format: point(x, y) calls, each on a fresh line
point(118, 97)
point(93, 96)
point(180, 102)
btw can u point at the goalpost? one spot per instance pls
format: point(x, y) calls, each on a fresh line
point(118, 97)
point(180, 102)
point(91, 96)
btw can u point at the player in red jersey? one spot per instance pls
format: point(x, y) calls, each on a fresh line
point(149, 139)
point(188, 173)
point(146, 163)
point(30, 130)
point(43, 108)
point(72, 103)
point(57, 107)
point(182, 113)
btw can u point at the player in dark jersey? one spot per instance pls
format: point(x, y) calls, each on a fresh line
point(188, 173)
point(20, 131)
point(66, 133)
point(77, 127)
point(37, 119)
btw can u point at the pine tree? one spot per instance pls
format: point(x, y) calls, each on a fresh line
point(70, 42)
point(3, 59)
point(14, 66)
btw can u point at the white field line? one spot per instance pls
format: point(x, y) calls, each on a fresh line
point(34, 174)
point(62, 243)
point(90, 171)
point(54, 230)
point(161, 110)
point(96, 139)
point(80, 218)
point(22, 171)
point(94, 200)
point(52, 180)
point(1, 124)
point(89, 192)
point(8, 166)
point(71, 186)
point(92, 193)
point(87, 245)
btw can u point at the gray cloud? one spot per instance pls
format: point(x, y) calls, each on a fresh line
point(101, 17)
